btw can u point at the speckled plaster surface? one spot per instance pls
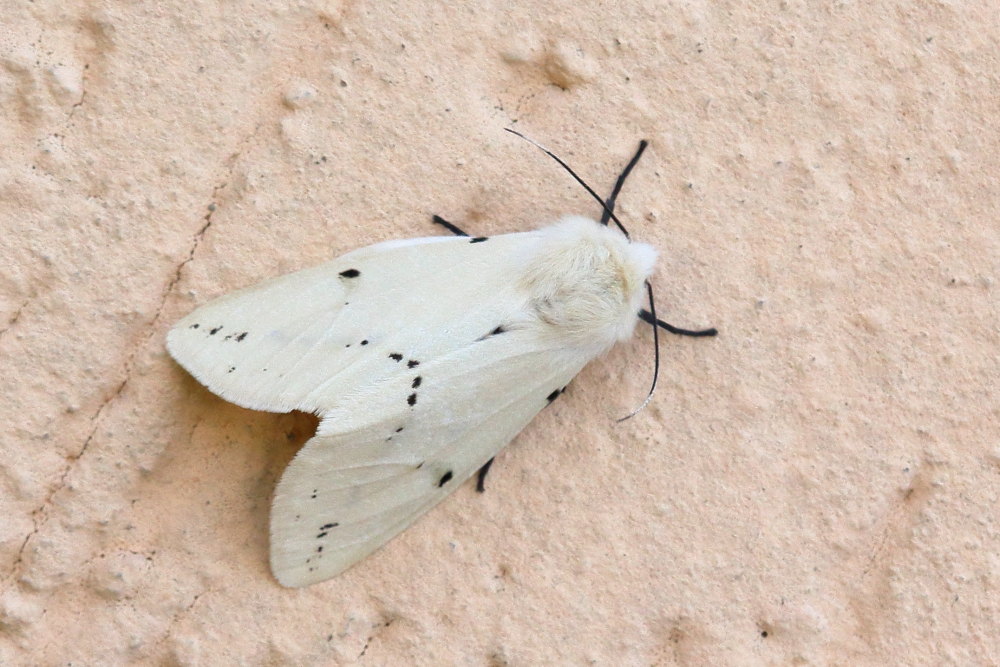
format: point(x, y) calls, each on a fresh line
point(818, 485)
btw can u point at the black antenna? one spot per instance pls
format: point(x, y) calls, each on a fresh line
point(609, 205)
point(607, 211)
point(656, 357)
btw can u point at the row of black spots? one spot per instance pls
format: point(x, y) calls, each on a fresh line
point(398, 430)
point(411, 400)
point(397, 357)
point(479, 239)
point(214, 330)
point(364, 342)
point(231, 369)
point(324, 530)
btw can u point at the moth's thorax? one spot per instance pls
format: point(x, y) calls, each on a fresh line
point(585, 281)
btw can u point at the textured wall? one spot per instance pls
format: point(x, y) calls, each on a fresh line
point(818, 485)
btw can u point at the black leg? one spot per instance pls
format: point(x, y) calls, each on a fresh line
point(447, 225)
point(646, 316)
point(482, 476)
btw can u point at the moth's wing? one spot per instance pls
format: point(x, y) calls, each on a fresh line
point(381, 459)
point(292, 342)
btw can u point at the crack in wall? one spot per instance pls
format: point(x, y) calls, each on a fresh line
point(375, 634)
point(13, 319)
point(39, 516)
point(179, 616)
point(83, 96)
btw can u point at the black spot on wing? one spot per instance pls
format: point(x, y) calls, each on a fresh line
point(350, 273)
point(555, 394)
point(328, 526)
point(239, 338)
point(445, 478)
point(231, 369)
point(412, 363)
point(194, 326)
point(396, 356)
point(499, 330)
point(416, 382)
point(214, 331)
point(411, 400)
point(479, 239)
point(364, 342)
point(399, 429)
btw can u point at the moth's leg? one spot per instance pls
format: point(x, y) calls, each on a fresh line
point(646, 316)
point(609, 204)
point(609, 207)
point(447, 225)
point(482, 472)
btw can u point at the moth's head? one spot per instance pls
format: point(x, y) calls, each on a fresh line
point(634, 264)
point(587, 280)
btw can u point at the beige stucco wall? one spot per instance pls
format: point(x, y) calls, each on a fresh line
point(818, 485)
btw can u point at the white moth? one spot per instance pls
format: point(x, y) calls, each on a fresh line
point(422, 357)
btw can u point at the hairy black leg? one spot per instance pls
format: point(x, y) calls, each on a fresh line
point(480, 487)
point(647, 316)
point(447, 225)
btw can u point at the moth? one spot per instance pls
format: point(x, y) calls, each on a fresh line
point(422, 358)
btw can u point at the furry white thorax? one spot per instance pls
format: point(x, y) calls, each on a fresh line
point(586, 281)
